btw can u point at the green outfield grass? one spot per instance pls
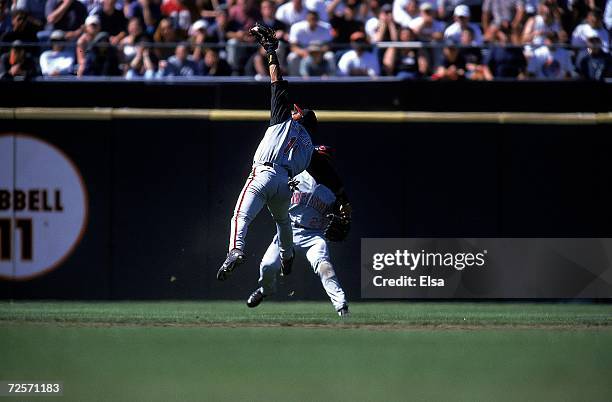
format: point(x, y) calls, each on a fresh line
point(222, 351)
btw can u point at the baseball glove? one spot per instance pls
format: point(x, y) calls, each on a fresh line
point(339, 222)
point(265, 36)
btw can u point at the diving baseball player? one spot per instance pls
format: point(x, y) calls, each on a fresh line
point(317, 215)
point(285, 151)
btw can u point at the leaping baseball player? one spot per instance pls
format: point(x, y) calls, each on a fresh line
point(317, 215)
point(285, 151)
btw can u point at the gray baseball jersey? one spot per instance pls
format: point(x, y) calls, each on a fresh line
point(311, 203)
point(285, 150)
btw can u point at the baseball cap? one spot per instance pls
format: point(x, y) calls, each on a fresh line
point(462, 11)
point(387, 8)
point(426, 7)
point(58, 34)
point(196, 26)
point(92, 20)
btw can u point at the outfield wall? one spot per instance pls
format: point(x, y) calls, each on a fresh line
point(160, 194)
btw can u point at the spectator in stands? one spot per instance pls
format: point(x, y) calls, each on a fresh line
point(405, 11)
point(91, 30)
point(268, 18)
point(127, 46)
point(58, 60)
point(230, 33)
point(454, 31)
point(21, 29)
point(475, 69)
point(315, 64)
point(506, 61)
point(197, 38)
point(165, 34)
point(381, 28)
point(584, 31)
point(101, 57)
point(595, 64)
point(178, 14)
point(213, 65)
point(541, 24)
point(291, 12)
point(5, 17)
point(405, 62)
point(257, 65)
point(359, 61)
point(245, 12)
point(144, 64)
point(549, 61)
point(505, 15)
point(453, 66)
point(302, 34)
point(67, 16)
point(181, 64)
point(425, 26)
point(35, 9)
point(17, 64)
point(344, 25)
point(112, 21)
point(147, 11)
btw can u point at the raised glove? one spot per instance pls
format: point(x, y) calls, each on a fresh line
point(339, 222)
point(265, 36)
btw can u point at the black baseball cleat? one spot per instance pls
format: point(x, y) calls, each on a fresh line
point(344, 312)
point(286, 265)
point(234, 258)
point(255, 298)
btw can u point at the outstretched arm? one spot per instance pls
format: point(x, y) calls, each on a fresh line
point(279, 108)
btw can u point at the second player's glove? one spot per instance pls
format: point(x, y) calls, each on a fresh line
point(339, 223)
point(265, 36)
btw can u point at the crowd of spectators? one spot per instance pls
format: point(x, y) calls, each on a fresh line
point(434, 39)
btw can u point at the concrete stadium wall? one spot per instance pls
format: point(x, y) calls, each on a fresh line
point(161, 193)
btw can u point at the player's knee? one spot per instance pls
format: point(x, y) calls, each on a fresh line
point(326, 270)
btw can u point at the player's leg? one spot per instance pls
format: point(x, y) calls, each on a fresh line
point(318, 256)
point(278, 205)
point(250, 201)
point(268, 269)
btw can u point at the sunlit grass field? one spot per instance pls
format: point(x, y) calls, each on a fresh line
point(222, 351)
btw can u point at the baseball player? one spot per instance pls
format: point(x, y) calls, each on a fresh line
point(285, 151)
point(317, 215)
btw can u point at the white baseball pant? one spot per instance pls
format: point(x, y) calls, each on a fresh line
point(311, 244)
point(265, 185)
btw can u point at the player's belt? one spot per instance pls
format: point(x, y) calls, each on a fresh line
point(275, 166)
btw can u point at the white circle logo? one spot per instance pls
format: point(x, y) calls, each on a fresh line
point(43, 207)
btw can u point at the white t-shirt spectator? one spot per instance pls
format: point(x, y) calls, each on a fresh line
point(436, 26)
point(287, 14)
point(453, 32)
point(580, 35)
point(546, 63)
point(400, 16)
point(352, 61)
point(57, 63)
point(301, 34)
